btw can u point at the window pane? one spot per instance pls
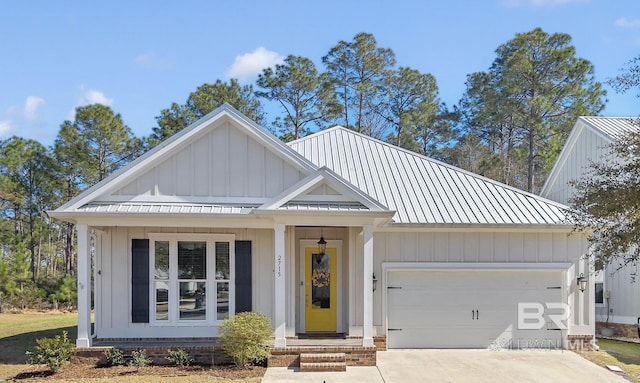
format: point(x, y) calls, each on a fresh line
point(162, 301)
point(192, 301)
point(162, 260)
point(599, 292)
point(223, 301)
point(321, 281)
point(192, 260)
point(222, 260)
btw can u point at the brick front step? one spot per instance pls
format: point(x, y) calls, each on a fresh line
point(326, 357)
point(323, 367)
point(354, 356)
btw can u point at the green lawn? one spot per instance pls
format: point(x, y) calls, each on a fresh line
point(622, 354)
point(18, 332)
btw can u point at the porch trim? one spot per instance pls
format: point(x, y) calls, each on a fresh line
point(279, 286)
point(84, 286)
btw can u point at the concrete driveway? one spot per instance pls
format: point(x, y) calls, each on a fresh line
point(401, 366)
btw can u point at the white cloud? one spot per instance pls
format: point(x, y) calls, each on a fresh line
point(31, 107)
point(89, 97)
point(249, 65)
point(5, 127)
point(93, 96)
point(626, 23)
point(540, 3)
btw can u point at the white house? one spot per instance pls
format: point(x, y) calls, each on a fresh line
point(223, 217)
point(617, 299)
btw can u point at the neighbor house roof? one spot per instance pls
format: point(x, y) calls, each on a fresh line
point(610, 129)
point(613, 128)
point(422, 190)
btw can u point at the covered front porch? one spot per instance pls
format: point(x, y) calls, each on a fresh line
point(323, 293)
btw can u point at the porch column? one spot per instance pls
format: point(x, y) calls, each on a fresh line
point(279, 287)
point(367, 334)
point(84, 286)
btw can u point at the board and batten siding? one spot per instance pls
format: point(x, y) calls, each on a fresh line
point(588, 146)
point(224, 162)
point(113, 313)
point(470, 247)
point(624, 301)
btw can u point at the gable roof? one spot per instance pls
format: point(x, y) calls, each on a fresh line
point(345, 195)
point(88, 202)
point(420, 189)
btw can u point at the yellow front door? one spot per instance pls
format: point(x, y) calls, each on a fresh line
point(320, 291)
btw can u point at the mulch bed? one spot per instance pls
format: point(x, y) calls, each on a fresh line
point(78, 371)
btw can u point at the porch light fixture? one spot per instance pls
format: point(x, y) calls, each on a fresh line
point(582, 282)
point(322, 245)
point(375, 282)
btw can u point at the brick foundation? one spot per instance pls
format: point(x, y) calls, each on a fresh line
point(622, 330)
point(580, 342)
point(380, 342)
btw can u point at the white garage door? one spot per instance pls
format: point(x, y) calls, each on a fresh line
point(470, 309)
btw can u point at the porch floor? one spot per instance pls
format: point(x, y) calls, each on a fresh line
point(320, 342)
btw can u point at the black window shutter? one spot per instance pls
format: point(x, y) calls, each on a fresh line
point(140, 280)
point(243, 276)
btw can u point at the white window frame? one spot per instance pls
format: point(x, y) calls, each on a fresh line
point(598, 277)
point(173, 282)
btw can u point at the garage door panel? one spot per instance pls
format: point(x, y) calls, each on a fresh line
point(419, 319)
point(467, 309)
point(460, 338)
point(423, 298)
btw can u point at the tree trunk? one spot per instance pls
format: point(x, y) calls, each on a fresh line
point(530, 160)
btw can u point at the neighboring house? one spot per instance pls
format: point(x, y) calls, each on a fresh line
point(223, 217)
point(589, 141)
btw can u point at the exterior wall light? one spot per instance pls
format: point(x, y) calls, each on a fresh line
point(322, 245)
point(582, 281)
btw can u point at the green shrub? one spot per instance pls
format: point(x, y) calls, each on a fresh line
point(139, 359)
point(179, 357)
point(244, 337)
point(114, 357)
point(54, 352)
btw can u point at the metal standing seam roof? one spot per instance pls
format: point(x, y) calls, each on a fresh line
point(420, 189)
point(324, 206)
point(613, 127)
point(165, 208)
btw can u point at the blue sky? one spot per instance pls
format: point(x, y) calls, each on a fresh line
point(140, 56)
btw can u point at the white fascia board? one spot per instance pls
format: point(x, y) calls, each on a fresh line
point(316, 218)
point(168, 220)
point(477, 228)
point(471, 266)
